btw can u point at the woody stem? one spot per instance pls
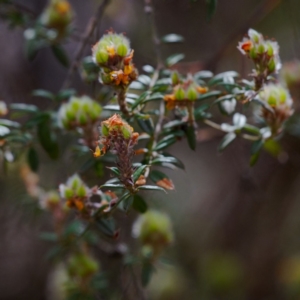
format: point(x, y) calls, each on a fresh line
point(122, 102)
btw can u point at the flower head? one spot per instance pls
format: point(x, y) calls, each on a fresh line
point(114, 55)
point(58, 15)
point(154, 229)
point(280, 101)
point(265, 53)
point(79, 112)
point(75, 192)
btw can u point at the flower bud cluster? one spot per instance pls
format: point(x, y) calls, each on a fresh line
point(119, 137)
point(184, 92)
point(264, 53)
point(79, 112)
point(154, 230)
point(58, 16)
point(113, 54)
point(279, 99)
point(75, 192)
point(81, 269)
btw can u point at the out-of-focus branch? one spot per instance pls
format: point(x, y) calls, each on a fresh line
point(259, 13)
point(92, 24)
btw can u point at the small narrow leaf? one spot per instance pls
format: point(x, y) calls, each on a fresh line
point(61, 55)
point(151, 188)
point(174, 59)
point(43, 94)
point(33, 159)
point(227, 140)
point(112, 186)
point(138, 172)
point(172, 38)
point(191, 136)
point(115, 170)
point(139, 204)
point(161, 180)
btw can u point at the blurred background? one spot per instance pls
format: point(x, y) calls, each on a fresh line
point(237, 228)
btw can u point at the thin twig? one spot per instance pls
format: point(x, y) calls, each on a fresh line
point(92, 24)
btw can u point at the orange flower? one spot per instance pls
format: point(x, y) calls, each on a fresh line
point(246, 46)
point(202, 90)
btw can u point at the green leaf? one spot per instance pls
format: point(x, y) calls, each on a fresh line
point(223, 98)
point(221, 76)
point(9, 123)
point(127, 203)
point(255, 151)
point(135, 85)
point(49, 236)
point(140, 99)
point(146, 125)
point(48, 138)
point(4, 131)
point(148, 69)
point(147, 272)
point(227, 140)
point(115, 170)
point(61, 55)
point(65, 94)
point(167, 161)
point(106, 226)
point(209, 95)
point(31, 49)
point(191, 136)
point(239, 120)
point(174, 59)
point(154, 97)
point(33, 159)
point(43, 94)
point(151, 188)
point(203, 74)
point(172, 38)
point(112, 107)
point(166, 142)
point(251, 129)
point(24, 107)
point(139, 204)
point(144, 79)
point(138, 172)
point(200, 112)
point(112, 186)
point(174, 123)
point(156, 176)
point(272, 147)
point(211, 8)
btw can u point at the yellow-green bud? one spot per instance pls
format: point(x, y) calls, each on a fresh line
point(68, 193)
point(253, 53)
point(175, 78)
point(104, 130)
point(270, 50)
point(271, 65)
point(81, 192)
point(82, 266)
point(106, 79)
point(192, 94)
point(179, 94)
point(122, 50)
point(102, 57)
point(154, 229)
point(126, 132)
point(261, 49)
